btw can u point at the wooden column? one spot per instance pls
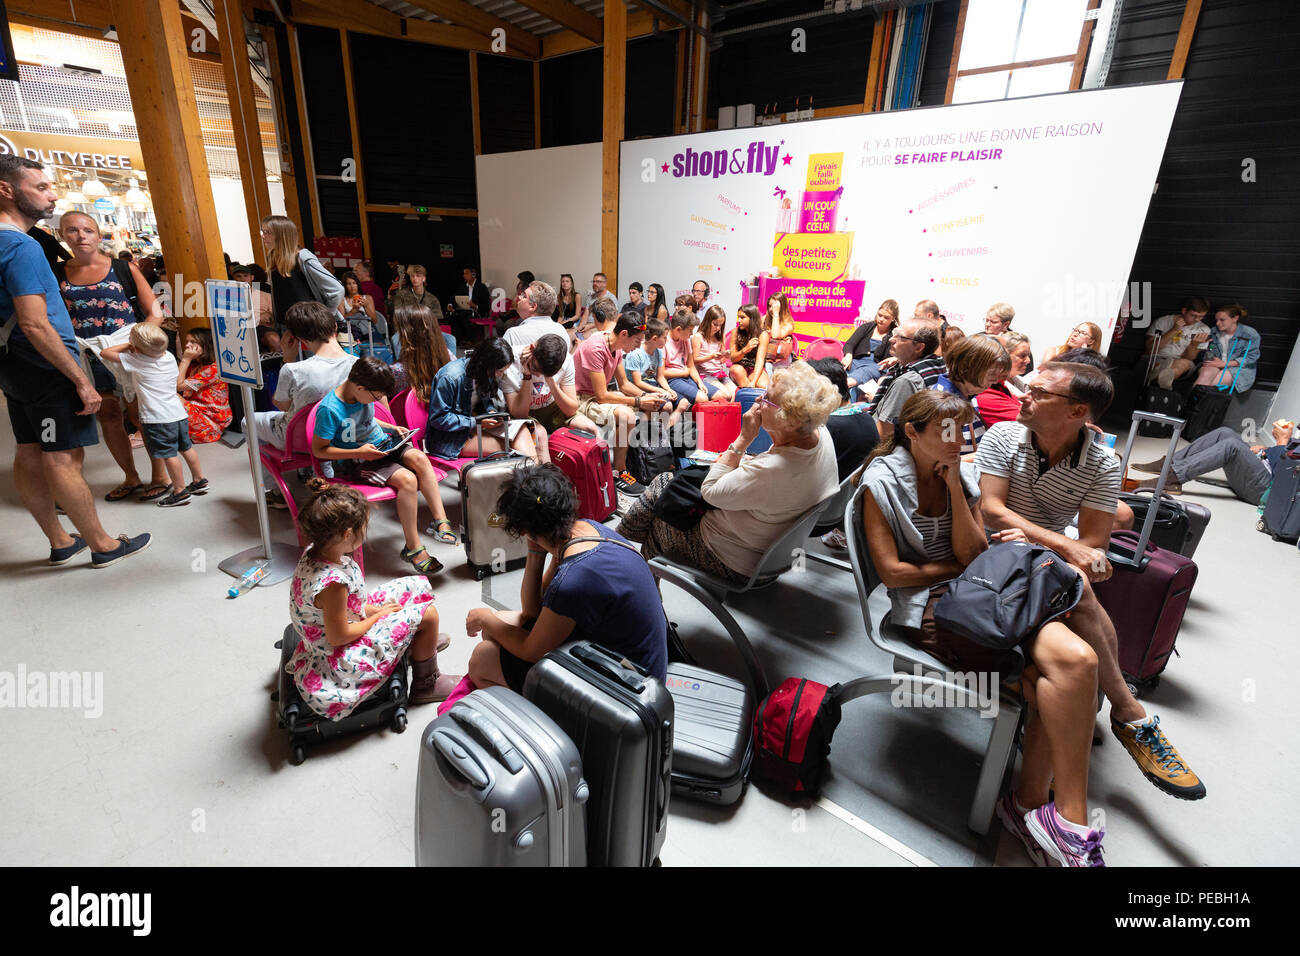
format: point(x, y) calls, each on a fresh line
point(473, 102)
point(874, 59)
point(155, 53)
point(356, 142)
point(304, 131)
point(615, 56)
point(1185, 31)
point(956, 52)
point(243, 119)
point(288, 175)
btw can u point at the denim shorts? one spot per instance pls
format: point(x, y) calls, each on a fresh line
point(166, 439)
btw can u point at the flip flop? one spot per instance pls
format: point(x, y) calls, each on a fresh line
point(154, 492)
point(122, 492)
point(441, 536)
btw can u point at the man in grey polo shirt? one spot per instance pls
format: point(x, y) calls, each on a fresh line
point(1035, 474)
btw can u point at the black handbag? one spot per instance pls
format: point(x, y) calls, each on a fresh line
point(1007, 593)
point(681, 503)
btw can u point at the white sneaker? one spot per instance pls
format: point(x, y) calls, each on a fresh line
point(835, 540)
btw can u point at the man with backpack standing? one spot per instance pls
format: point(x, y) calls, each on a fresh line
point(51, 402)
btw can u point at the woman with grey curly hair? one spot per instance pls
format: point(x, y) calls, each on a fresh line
point(755, 498)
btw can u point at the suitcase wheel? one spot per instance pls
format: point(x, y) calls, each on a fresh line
point(399, 721)
point(279, 644)
point(298, 754)
point(478, 574)
point(1259, 525)
point(275, 696)
point(1132, 687)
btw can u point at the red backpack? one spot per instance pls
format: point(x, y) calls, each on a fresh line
point(792, 733)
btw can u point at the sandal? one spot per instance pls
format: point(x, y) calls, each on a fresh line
point(123, 491)
point(199, 487)
point(156, 491)
point(430, 564)
point(443, 537)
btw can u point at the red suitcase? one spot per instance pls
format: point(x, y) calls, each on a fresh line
point(717, 425)
point(587, 461)
point(1146, 604)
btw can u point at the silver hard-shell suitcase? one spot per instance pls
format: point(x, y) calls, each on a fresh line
point(621, 718)
point(488, 548)
point(713, 747)
point(499, 784)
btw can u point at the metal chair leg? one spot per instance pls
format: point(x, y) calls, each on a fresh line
point(996, 758)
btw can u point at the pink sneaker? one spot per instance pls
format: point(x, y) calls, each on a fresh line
point(1062, 846)
point(1014, 821)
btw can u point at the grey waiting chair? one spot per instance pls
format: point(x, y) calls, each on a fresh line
point(713, 591)
point(932, 674)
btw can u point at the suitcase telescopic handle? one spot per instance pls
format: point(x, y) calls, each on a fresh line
point(460, 759)
point(600, 664)
point(489, 736)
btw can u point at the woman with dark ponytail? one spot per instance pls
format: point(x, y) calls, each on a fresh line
point(466, 388)
point(351, 640)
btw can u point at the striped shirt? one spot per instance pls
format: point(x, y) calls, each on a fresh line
point(936, 534)
point(1050, 497)
point(971, 434)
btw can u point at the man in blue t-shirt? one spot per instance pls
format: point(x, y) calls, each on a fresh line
point(51, 401)
point(599, 590)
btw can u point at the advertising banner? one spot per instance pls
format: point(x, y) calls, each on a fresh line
point(1038, 202)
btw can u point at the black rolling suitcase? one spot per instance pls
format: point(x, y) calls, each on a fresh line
point(1179, 525)
point(621, 718)
point(1160, 401)
point(384, 705)
point(1205, 411)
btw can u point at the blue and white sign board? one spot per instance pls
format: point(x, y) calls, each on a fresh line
point(105, 205)
point(234, 332)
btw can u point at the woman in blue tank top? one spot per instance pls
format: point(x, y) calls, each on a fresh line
point(99, 305)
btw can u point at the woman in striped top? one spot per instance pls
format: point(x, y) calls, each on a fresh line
point(923, 526)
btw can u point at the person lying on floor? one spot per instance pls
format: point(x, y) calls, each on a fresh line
point(582, 581)
point(1249, 468)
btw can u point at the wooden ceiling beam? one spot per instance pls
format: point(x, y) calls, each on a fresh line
point(571, 16)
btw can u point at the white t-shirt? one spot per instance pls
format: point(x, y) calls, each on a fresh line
point(527, 333)
point(305, 383)
point(1178, 342)
point(155, 386)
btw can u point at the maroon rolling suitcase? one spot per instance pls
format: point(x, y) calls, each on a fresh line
point(587, 461)
point(1147, 594)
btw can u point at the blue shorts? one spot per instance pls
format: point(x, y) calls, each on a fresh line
point(43, 407)
point(166, 439)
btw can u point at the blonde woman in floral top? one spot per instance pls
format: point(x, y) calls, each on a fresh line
point(98, 291)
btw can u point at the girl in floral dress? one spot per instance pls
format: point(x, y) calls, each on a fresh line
point(206, 397)
point(350, 641)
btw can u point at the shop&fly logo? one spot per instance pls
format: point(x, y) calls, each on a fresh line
point(758, 158)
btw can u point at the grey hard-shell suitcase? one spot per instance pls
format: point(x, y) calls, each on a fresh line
point(488, 548)
point(713, 747)
point(499, 784)
point(621, 718)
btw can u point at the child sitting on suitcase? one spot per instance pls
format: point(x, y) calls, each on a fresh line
point(574, 589)
point(366, 451)
point(349, 640)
